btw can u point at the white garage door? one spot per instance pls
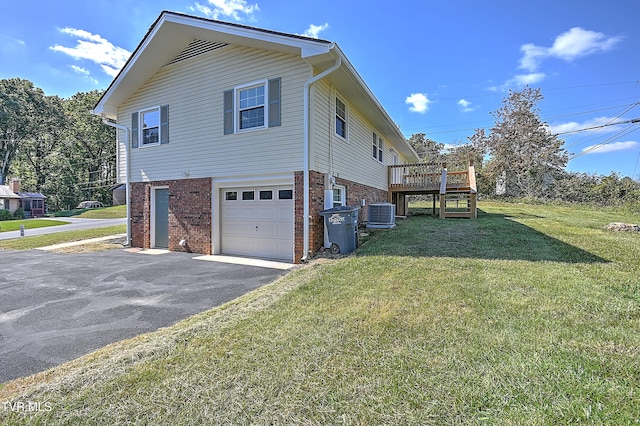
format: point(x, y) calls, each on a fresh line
point(257, 222)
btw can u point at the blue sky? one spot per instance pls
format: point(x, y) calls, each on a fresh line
point(438, 67)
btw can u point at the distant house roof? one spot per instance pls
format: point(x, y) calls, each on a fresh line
point(33, 195)
point(6, 192)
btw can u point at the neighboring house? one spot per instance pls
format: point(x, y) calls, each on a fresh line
point(11, 198)
point(234, 138)
point(33, 204)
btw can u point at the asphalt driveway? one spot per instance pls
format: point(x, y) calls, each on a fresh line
point(56, 307)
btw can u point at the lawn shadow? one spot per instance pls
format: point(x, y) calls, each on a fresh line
point(491, 236)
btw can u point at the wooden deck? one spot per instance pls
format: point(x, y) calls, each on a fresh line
point(456, 190)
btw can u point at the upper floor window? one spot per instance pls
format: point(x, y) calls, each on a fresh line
point(252, 106)
point(377, 147)
point(341, 118)
point(150, 126)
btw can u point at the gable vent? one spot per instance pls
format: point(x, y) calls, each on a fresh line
point(195, 48)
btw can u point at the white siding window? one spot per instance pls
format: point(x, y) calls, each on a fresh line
point(377, 147)
point(339, 196)
point(150, 127)
point(341, 118)
point(251, 107)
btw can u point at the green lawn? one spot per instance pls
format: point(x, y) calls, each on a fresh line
point(28, 243)
point(14, 225)
point(528, 315)
point(100, 213)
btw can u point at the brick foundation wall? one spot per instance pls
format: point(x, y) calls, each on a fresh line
point(189, 214)
point(140, 215)
point(190, 204)
point(355, 193)
point(316, 205)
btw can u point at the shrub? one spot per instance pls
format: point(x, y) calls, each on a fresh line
point(5, 215)
point(19, 213)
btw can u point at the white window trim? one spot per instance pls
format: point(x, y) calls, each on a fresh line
point(236, 105)
point(141, 112)
point(379, 146)
point(343, 195)
point(346, 118)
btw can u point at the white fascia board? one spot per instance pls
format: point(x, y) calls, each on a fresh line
point(109, 110)
point(230, 33)
point(194, 27)
point(392, 127)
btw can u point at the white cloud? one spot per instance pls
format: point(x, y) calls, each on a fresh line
point(314, 30)
point(465, 105)
point(525, 79)
point(80, 70)
point(519, 81)
point(574, 126)
point(85, 73)
point(567, 46)
point(611, 147)
point(96, 49)
point(227, 8)
point(419, 102)
point(11, 45)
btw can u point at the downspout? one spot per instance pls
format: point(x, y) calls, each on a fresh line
point(307, 95)
point(126, 172)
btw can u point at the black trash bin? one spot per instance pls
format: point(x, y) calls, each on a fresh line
point(342, 227)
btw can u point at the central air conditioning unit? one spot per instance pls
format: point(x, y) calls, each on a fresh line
point(381, 215)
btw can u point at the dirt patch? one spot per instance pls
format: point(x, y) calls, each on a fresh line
point(116, 243)
point(626, 227)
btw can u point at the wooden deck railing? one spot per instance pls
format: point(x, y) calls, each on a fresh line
point(427, 177)
point(415, 177)
point(456, 188)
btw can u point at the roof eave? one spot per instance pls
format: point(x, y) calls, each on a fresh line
point(374, 109)
point(172, 31)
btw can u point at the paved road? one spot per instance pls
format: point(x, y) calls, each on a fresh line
point(75, 224)
point(56, 307)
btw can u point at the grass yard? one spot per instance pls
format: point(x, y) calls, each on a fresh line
point(28, 243)
point(528, 315)
point(14, 225)
point(114, 212)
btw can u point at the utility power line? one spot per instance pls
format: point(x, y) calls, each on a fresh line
point(632, 121)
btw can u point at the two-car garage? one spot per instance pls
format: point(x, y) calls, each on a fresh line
point(257, 221)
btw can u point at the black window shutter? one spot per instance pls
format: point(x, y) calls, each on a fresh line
point(134, 130)
point(274, 102)
point(228, 112)
point(164, 124)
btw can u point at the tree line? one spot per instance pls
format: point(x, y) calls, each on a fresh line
point(55, 145)
point(519, 158)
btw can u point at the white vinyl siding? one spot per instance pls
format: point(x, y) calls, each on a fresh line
point(194, 90)
point(329, 153)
